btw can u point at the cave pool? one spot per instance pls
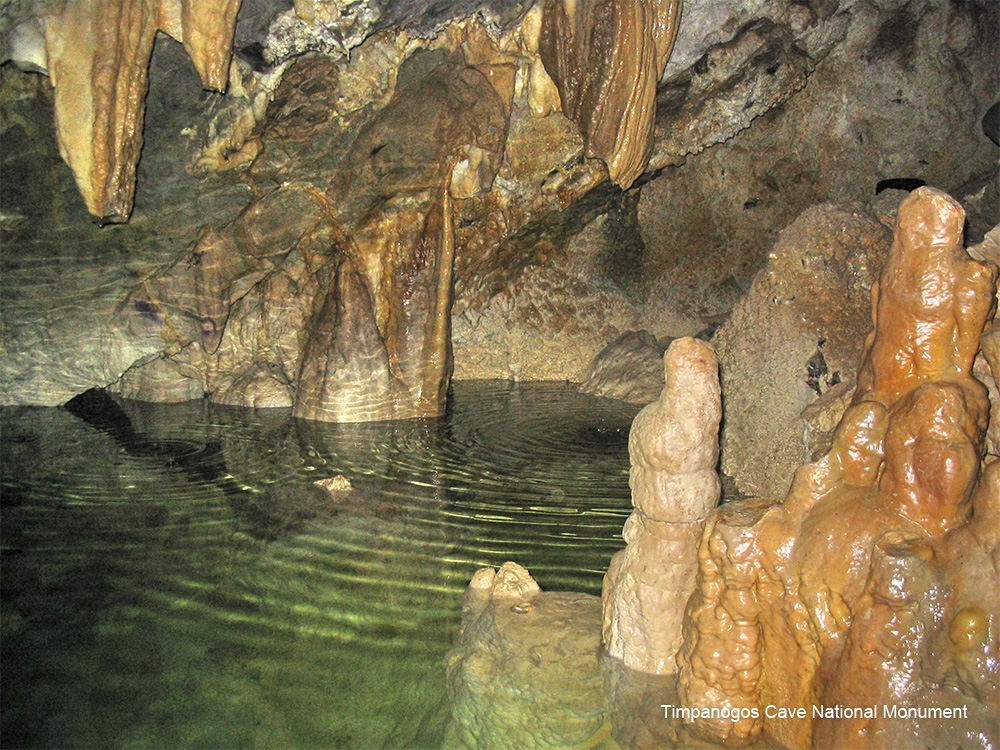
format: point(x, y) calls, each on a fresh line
point(172, 577)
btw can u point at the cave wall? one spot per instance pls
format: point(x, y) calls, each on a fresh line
point(765, 108)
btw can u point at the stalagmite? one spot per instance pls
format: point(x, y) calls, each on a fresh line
point(875, 582)
point(673, 449)
point(98, 57)
point(606, 58)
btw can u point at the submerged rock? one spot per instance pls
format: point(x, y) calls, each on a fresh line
point(525, 671)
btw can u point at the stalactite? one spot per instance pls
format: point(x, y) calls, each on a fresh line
point(98, 56)
point(606, 58)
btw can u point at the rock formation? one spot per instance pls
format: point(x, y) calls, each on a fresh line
point(552, 260)
point(809, 308)
point(524, 672)
point(673, 450)
point(334, 297)
point(875, 581)
point(630, 368)
point(606, 58)
point(987, 366)
point(98, 56)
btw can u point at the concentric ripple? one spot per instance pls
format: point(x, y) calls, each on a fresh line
point(180, 568)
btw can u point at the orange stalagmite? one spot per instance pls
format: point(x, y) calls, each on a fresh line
point(875, 582)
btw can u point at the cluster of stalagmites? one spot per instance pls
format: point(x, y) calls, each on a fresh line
point(866, 604)
point(875, 581)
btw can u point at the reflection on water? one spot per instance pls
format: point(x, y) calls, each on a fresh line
point(172, 577)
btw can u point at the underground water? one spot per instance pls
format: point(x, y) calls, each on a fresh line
point(174, 576)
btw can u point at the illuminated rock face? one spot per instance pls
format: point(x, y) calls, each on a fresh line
point(335, 298)
point(875, 581)
point(98, 58)
point(606, 58)
point(673, 449)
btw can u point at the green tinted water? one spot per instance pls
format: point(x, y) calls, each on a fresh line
point(177, 579)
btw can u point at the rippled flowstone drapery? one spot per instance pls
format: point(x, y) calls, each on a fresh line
point(334, 295)
point(875, 581)
point(607, 58)
point(98, 54)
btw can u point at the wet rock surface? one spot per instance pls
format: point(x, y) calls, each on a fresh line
point(606, 60)
point(853, 591)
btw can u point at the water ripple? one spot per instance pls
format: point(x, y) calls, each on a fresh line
point(181, 568)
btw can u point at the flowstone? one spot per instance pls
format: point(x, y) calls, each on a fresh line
point(875, 582)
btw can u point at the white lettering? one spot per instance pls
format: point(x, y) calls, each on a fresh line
point(780, 712)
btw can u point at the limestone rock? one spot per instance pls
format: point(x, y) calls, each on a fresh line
point(823, 415)
point(550, 323)
point(729, 200)
point(732, 85)
point(673, 449)
point(987, 366)
point(872, 583)
point(162, 379)
point(525, 672)
point(629, 368)
point(606, 59)
point(809, 311)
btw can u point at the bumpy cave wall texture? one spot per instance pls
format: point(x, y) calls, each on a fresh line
point(337, 207)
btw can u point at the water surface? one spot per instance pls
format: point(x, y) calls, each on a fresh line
point(172, 576)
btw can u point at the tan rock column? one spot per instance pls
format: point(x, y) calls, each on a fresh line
point(673, 449)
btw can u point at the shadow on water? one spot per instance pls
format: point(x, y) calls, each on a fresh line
point(173, 576)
